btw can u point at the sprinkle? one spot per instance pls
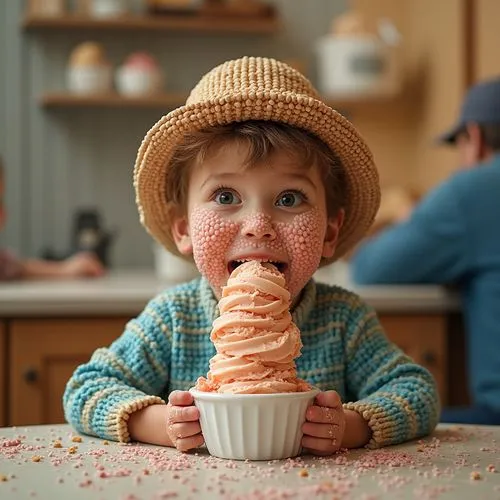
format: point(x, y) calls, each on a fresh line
point(475, 475)
point(72, 450)
point(76, 439)
point(491, 468)
point(304, 473)
point(36, 458)
point(3, 478)
point(57, 444)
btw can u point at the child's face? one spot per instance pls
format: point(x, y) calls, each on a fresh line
point(275, 211)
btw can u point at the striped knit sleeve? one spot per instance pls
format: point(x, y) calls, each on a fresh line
point(397, 397)
point(122, 378)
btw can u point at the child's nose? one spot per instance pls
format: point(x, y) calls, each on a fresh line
point(258, 226)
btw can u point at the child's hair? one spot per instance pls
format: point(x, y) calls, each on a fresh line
point(263, 139)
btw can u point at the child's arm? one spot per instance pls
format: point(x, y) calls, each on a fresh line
point(82, 264)
point(395, 396)
point(176, 424)
point(122, 379)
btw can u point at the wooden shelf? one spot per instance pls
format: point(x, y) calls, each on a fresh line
point(194, 23)
point(165, 101)
point(170, 100)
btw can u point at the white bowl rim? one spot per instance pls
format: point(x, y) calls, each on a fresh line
point(225, 396)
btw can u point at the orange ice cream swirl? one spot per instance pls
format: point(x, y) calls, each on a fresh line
point(254, 336)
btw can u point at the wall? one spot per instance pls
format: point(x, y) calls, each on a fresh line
point(401, 131)
point(487, 62)
point(61, 160)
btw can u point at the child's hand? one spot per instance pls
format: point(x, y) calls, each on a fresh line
point(183, 424)
point(325, 424)
point(82, 264)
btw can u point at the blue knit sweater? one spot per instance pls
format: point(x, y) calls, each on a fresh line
point(168, 346)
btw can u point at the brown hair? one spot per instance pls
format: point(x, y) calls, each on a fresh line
point(263, 139)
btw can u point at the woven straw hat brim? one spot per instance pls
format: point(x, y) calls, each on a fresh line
point(302, 111)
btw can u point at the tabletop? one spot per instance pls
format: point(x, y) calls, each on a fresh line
point(41, 462)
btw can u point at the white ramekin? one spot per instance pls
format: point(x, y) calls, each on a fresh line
point(253, 426)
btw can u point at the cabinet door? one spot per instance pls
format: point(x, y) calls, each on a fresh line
point(423, 338)
point(3, 373)
point(43, 355)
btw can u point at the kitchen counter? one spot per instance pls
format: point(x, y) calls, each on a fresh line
point(127, 292)
point(454, 463)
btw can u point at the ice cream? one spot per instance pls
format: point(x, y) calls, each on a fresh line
point(254, 336)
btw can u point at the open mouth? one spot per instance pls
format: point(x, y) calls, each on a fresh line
point(233, 264)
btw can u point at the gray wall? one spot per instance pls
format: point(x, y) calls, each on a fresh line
point(60, 160)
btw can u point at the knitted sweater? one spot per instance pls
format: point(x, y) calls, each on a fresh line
point(168, 346)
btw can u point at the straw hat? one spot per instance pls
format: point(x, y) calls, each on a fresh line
point(255, 88)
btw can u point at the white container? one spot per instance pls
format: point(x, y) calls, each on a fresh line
point(85, 80)
point(137, 81)
point(253, 426)
point(353, 67)
point(171, 269)
point(107, 8)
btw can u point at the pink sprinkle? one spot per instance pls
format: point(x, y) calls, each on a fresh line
point(10, 442)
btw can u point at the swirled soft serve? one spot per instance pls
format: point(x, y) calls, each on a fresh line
point(255, 338)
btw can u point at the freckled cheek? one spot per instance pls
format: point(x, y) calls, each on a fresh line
point(303, 238)
point(211, 238)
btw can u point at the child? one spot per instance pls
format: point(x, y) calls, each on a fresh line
point(255, 167)
point(11, 267)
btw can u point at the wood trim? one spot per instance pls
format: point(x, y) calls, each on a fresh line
point(470, 34)
point(3, 373)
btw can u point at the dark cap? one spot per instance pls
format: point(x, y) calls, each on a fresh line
point(481, 105)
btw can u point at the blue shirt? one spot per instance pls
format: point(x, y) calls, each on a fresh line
point(453, 237)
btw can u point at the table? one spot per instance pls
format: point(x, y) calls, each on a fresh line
point(54, 462)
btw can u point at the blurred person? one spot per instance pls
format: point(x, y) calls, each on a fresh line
point(82, 264)
point(452, 238)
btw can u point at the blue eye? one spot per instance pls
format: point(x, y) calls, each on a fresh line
point(226, 197)
point(290, 199)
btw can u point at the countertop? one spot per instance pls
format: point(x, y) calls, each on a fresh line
point(454, 463)
point(127, 292)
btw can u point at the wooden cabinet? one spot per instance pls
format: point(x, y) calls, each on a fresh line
point(3, 374)
point(43, 354)
point(423, 338)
